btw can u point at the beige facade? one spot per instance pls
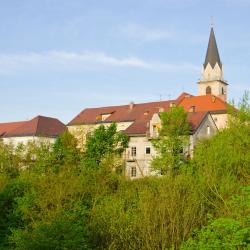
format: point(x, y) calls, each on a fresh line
point(138, 157)
point(81, 131)
point(221, 120)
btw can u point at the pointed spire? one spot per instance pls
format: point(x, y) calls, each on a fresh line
point(212, 56)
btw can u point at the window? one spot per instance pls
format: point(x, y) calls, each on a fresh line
point(133, 171)
point(133, 151)
point(103, 117)
point(222, 91)
point(155, 128)
point(208, 130)
point(148, 150)
point(208, 90)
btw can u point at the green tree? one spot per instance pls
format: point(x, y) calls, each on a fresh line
point(10, 216)
point(104, 142)
point(65, 151)
point(242, 114)
point(172, 140)
point(11, 158)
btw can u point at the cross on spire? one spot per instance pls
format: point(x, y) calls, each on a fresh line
point(212, 21)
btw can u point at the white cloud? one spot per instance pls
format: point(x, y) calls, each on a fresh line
point(72, 61)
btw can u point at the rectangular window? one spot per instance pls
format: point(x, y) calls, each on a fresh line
point(148, 150)
point(133, 171)
point(155, 128)
point(208, 130)
point(133, 151)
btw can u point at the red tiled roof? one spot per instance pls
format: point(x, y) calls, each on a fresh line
point(120, 113)
point(195, 119)
point(142, 113)
point(7, 127)
point(203, 103)
point(38, 126)
point(182, 96)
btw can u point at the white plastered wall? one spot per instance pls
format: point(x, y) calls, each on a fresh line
point(25, 139)
point(221, 120)
point(141, 161)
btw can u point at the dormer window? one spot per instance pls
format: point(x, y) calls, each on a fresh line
point(172, 105)
point(103, 117)
point(99, 118)
point(192, 109)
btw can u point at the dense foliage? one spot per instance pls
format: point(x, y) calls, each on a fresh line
point(105, 142)
point(172, 141)
point(51, 197)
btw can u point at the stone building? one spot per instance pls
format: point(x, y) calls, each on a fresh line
point(207, 112)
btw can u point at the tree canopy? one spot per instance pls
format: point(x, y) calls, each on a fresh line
point(172, 141)
point(105, 141)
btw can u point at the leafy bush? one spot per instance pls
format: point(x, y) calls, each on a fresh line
point(231, 231)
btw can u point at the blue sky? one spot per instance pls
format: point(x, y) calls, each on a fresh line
point(58, 57)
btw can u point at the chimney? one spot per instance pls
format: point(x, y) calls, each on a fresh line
point(131, 105)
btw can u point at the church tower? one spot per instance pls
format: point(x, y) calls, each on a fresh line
point(212, 81)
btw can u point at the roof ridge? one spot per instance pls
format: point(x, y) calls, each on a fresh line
point(124, 105)
point(4, 123)
point(37, 125)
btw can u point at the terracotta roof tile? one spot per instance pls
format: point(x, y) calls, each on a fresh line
point(7, 127)
point(182, 96)
point(119, 113)
point(195, 119)
point(142, 113)
point(38, 126)
point(203, 103)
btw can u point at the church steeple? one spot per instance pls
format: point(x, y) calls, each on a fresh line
point(212, 81)
point(212, 56)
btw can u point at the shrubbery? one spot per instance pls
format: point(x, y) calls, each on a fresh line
point(56, 197)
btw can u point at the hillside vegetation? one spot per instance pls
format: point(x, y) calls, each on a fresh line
point(56, 197)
